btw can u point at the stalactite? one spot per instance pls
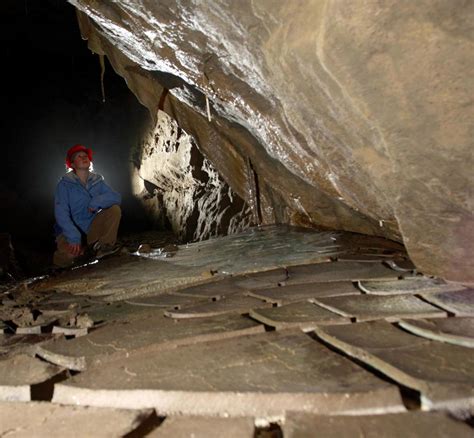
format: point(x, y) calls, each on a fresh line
point(102, 73)
point(164, 94)
point(208, 109)
point(254, 196)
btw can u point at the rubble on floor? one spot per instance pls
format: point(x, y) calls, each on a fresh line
point(289, 328)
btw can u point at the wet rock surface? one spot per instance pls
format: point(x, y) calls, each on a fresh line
point(259, 362)
point(331, 107)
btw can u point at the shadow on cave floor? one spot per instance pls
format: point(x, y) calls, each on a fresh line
point(23, 258)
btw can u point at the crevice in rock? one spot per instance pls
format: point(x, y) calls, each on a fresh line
point(410, 397)
point(273, 430)
point(44, 391)
point(148, 424)
point(422, 298)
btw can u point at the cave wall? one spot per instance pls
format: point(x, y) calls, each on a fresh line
point(180, 188)
point(354, 114)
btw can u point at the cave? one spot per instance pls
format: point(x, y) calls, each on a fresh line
point(296, 206)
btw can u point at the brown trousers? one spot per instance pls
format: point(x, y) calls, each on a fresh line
point(103, 229)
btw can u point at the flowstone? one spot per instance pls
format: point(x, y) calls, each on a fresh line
point(258, 375)
point(257, 249)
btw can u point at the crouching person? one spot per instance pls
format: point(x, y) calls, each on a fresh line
point(86, 209)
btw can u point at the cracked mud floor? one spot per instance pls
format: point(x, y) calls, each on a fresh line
point(272, 331)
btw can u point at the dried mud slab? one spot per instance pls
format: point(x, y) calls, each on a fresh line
point(410, 285)
point(173, 301)
point(233, 304)
point(460, 303)
point(401, 265)
point(204, 427)
point(27, 344)
point(303, 315)
point(115, 311)
point(18, 373)
point(371, 307)
point(219, 288)
point(339, 271)
point(441, 372)
point(260, 280)
point(407, 425)
point(457, 331)
point(70, 331)
point(48, 419)
point(257, 375)
point(298, 292)
point(152, 329)
point(30, 330)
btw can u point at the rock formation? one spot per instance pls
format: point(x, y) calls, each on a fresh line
point(182, 189)
point(353, 115)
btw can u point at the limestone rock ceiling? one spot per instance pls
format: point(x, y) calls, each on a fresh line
point(355, 115)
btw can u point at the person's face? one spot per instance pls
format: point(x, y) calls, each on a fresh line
point(81, 161)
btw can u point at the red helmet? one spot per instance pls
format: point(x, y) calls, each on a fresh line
point(77, 148)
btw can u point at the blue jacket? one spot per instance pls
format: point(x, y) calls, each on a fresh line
point(73, 200)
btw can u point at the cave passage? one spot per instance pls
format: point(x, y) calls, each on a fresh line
point(53, 100)
point(255, 291)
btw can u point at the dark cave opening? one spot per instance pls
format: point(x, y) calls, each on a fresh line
point(53, 99)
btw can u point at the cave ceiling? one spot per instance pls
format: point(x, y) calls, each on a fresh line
point(353, 115)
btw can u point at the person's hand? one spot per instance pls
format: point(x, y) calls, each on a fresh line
point(75, 249)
